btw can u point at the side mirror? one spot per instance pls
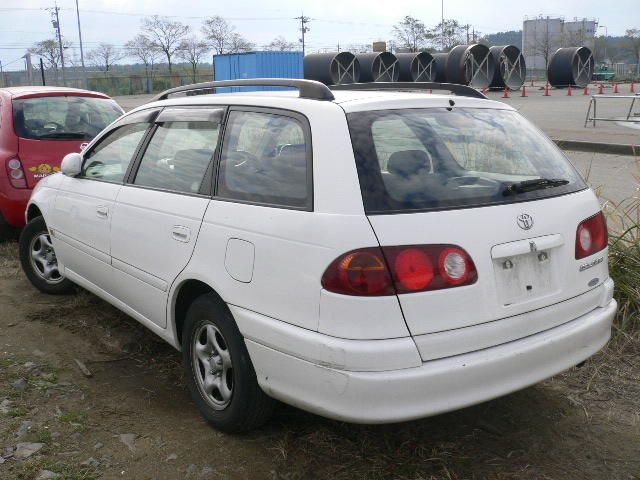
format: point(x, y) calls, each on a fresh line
point(71, 164)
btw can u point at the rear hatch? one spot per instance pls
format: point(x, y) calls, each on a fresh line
point(52, 125)
point(485, 181)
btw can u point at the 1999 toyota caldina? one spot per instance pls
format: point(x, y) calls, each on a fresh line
point(370, 256)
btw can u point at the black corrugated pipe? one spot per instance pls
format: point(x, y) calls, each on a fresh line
point(470, 65)
point(378, 67)
point(332, 68)
point(571, 66)
point(510, 67)
point(416, 67)
point(440, 59)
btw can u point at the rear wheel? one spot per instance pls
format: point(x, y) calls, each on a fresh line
point(218, 370)
point(39, 261)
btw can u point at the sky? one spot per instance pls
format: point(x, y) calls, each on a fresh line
point(344, 22)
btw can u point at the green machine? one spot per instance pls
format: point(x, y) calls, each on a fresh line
point(603, 73)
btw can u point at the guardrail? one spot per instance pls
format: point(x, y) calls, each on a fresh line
point(593, 103)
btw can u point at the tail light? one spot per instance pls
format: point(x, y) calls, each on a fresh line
point(406, 269)
point(16, 173)
point(591, 236)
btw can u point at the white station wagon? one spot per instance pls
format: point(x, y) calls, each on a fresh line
point(364, 254)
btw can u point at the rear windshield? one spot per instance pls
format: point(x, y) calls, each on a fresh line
point(431, 159)
point(63, 118)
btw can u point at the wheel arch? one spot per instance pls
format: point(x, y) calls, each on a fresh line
point(33, 211)
point(184, 295)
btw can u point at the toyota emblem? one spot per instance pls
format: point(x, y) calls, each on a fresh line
point(525, 221)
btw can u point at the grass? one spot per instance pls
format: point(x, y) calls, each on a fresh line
point(73, 417)
point(624, 262)
point(624, 257)
point(18, 412)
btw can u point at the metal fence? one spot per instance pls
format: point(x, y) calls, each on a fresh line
point(113, 84)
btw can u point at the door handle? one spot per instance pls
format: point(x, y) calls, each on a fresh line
point(181, 234)
point(102, 212)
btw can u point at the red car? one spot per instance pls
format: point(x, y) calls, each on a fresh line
point(39, 126)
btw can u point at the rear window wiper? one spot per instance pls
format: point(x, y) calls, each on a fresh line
point(70, 135)
point(531, 185)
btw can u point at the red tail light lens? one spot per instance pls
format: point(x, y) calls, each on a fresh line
point(360, 272)
point(16, 173)
point(413, 269)
point(406, 269)
point(591, 236)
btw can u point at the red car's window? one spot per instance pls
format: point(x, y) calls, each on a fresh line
point(63, 118)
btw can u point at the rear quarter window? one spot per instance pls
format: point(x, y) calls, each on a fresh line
point(266, 159)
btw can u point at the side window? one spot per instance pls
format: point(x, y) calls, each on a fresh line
point(110, 159)
point(265, 159)
point(178, 156)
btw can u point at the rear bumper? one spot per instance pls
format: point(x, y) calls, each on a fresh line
point(435, 386)
point(13, 202)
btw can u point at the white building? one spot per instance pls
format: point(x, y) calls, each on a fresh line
point(544, 34)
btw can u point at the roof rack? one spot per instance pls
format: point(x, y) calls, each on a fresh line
point(460, 90)
point(308, 88)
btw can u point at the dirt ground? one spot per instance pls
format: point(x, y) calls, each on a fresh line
point(133, 419)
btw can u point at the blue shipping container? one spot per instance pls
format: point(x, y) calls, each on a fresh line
point(257, 65)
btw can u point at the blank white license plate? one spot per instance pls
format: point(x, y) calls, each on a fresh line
point(521, 278)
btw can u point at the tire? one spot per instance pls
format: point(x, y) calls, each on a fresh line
point(236, 403)
point(42, 271)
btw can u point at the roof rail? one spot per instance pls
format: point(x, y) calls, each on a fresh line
point(460, 90)
point(308, 88)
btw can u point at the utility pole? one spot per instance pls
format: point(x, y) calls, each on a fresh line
point(55, 21)
point(442, 20)
point(84, 71)
point(29, 67)
point(303, 28)
point(467, 27)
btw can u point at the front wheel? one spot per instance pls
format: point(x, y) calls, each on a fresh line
point(218, 370)
point(39, 261)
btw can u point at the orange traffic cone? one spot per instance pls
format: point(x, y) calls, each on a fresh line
point(506, 93)
point(524, 92)
point(632, 89)
point(546, 90)
point(601, 89)
point(586, 90)
point(615, 88)
point(569, 91)
point(532, 83)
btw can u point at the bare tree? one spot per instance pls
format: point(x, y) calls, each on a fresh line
point(239, 44)
point(192, 50)
point(222, 36)
point(49, 50)
point(165, 34)
point(104, 56)
point(632, 42)
point(544, 44)
point(281, 44)
point(410, 33)
point(447, 34)
point(143, 49)
point(218, 31)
